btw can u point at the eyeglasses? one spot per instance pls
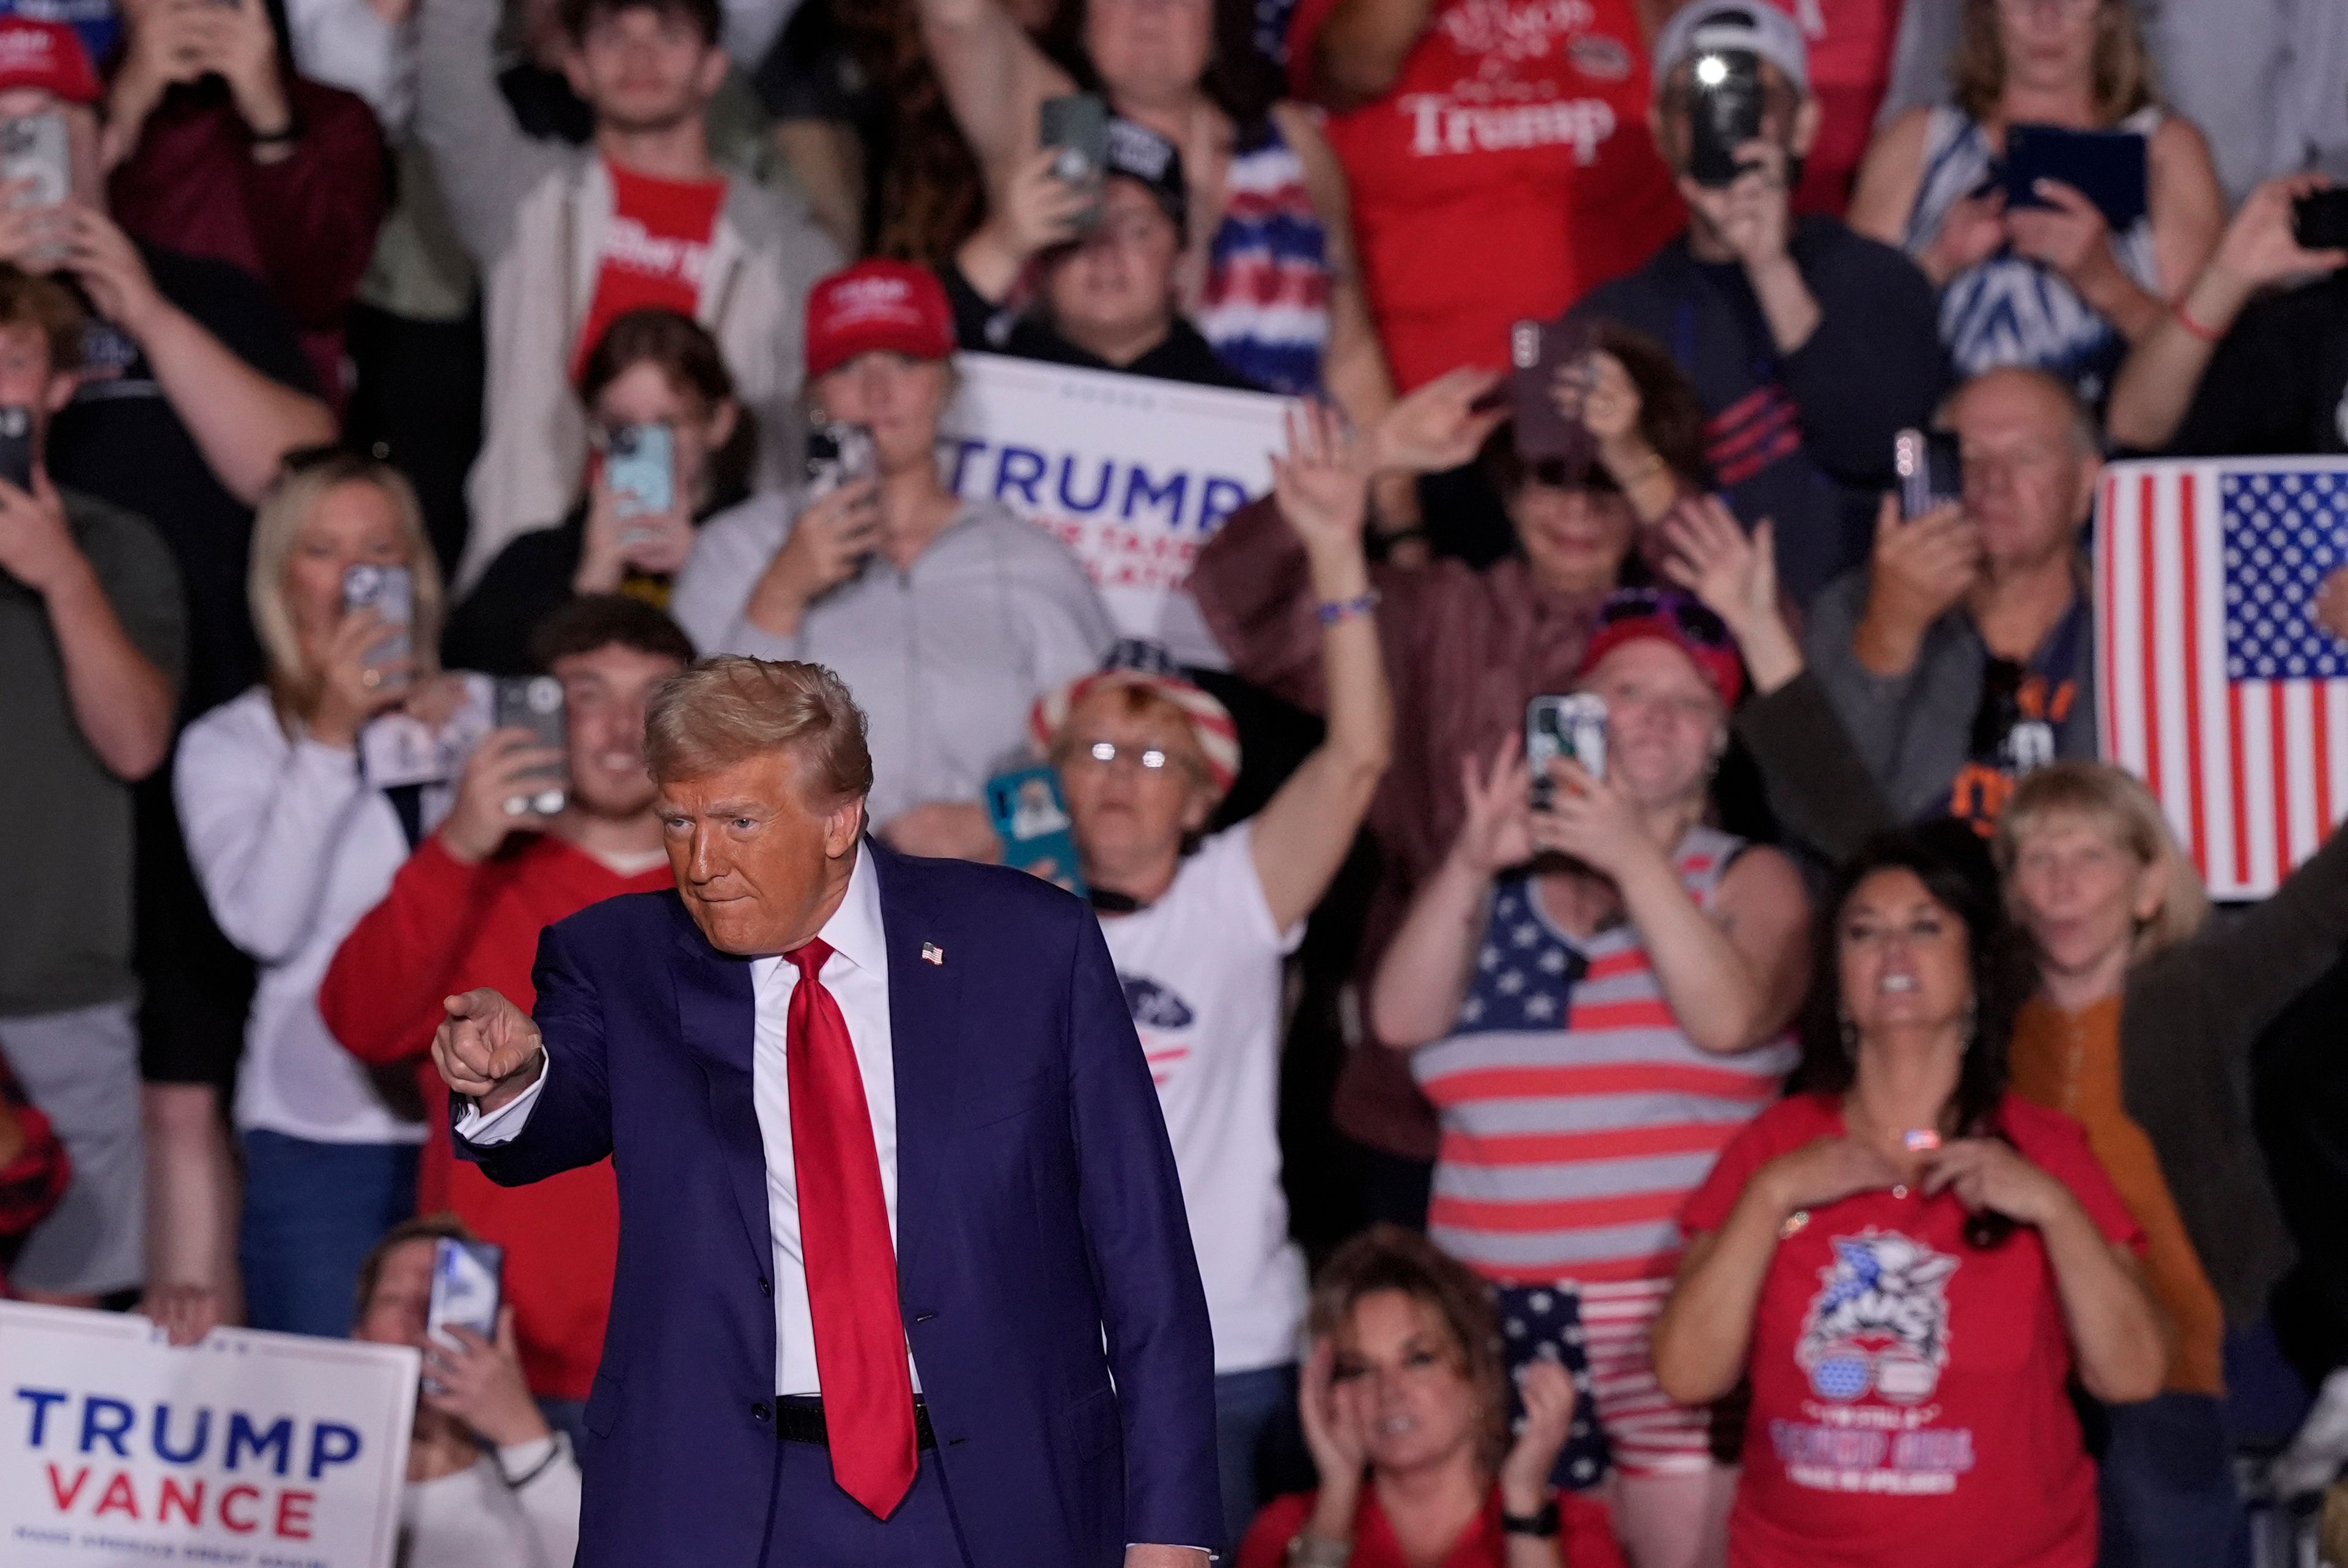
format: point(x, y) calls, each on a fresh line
point(1693, 621)
point(1108, 754)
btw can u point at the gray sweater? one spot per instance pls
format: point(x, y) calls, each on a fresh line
point(1914, 731)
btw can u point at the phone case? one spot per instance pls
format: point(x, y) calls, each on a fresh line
point(837, 455)
point(34, 148)
point(2319, 220)
point(1544, 433)
point(2107, 167)
point(639, 469)
point(534, 702)
point(1031, 818)
point(1572, 726)
point(390, 592)
point(1930, 467)
point(467, 1289)
point(1724, 116)
point(1077, 124)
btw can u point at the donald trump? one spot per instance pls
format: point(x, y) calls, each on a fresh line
point(904, 1276)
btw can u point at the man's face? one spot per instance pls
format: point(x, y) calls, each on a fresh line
point(645, 68)
point(605, 693)
point(1118, 280)
point(2029, 483)
point(28, 381)
point(757, 867)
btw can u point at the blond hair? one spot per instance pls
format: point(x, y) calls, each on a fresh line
point(727, 709)
point(2118, 803)
point(291, 503)
point(2122, 66)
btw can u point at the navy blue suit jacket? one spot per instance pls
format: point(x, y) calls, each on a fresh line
point(1043, 1262)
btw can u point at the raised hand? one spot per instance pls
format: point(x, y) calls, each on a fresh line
point(481, 1383)
point(1549, 1397)
point(1735, 577)
point(1920, 570)
point(1496, 830)
point(1974, 231)
point(2261, 246)
point(1591, 820)
point(1321, 485)
point(507, 764)
point(1332, 1426)
point(1439, 425)
point(487, 1049)
point(829, 541)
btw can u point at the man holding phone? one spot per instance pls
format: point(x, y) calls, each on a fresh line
point(92, 645)
point(466, 910)
point(1808, 345)
point(1961, 657)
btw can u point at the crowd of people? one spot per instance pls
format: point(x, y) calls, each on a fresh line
point(1810, 1114)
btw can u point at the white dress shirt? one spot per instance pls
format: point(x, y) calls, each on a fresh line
point(856, 976)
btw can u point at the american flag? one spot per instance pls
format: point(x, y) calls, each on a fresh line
point(2218, 688)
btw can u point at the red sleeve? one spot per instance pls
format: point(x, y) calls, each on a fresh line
point(1763, 1139)
point(382, 994)
point(1588, 1537)
point(315, 215)
point(2058, 1145)
point(1266, 1545)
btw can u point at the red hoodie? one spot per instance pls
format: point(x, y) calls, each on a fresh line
point(444, 927)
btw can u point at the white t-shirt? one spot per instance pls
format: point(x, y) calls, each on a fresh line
point(1201, 969)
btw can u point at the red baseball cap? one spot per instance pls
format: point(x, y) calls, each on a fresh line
point(48, 56)
point(888, 306)
point(1669, 616)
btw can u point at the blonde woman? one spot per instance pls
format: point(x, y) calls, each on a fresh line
point(292, 843)
point(2052, 286)
point(2141, 1028)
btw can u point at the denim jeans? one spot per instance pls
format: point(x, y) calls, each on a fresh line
point(1246, 1405)
point(2167, 1486)
point(312, 1214)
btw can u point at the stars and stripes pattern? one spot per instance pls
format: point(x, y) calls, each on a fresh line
point(2220, 689)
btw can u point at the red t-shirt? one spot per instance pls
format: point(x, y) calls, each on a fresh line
point(1587, 1540)
point(1909, 1400)
point(1850, 65)
point(654, 253)
point(1508, 173)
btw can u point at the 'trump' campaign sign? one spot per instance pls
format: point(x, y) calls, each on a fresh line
point(1135, 474)
point(262, 1450)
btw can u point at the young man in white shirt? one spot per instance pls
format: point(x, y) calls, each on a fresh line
point(1198, 929)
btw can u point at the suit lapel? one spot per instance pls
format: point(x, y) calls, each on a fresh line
point(924, 1039)
point(717, 1017)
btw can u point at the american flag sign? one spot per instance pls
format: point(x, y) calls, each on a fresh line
point(2218, 688)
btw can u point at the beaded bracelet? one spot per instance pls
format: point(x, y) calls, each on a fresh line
point(1333, 611)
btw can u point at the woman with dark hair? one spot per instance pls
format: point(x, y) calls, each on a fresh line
point(215, 146)
point(2053, 285)
point(1268, 272)
point(652, 371)
point(1465, 649)
point(1907, 1261)
point(1406, 1410)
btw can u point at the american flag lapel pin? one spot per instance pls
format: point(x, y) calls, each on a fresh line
point(934, 954)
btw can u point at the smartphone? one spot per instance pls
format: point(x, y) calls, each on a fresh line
point(1931, 469)
point(467, 1289)
point(1725, 114)
point(16, 446)
point(1077, 125)
point(1536, 352)
point(33, 150)
point(2107, 167)
point(639, 469)
point(1031, 818)
point(837, 455)
point(534, 702)
point(1572, 727)
point(390, 592)
point(2319, 220)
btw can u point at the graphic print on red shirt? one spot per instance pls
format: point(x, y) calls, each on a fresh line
point(1909, 1388)
point(655, 252)
point(1508, 172)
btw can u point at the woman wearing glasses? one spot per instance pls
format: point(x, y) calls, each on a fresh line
point(1198, 927)
point(1908, 1262)
point(1594, 992)
point(2053, 286)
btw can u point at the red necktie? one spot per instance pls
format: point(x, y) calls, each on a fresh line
point(851, 1265)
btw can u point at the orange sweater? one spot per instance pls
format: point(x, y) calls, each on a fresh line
point(2071, 1061)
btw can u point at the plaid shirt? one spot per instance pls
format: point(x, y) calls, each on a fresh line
point(32, 1182)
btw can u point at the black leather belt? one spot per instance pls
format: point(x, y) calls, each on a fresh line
point(799, 1419)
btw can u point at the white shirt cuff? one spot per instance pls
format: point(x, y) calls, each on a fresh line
point(504, 1124)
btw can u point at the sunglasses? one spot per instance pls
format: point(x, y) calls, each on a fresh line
point(1691, 619)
